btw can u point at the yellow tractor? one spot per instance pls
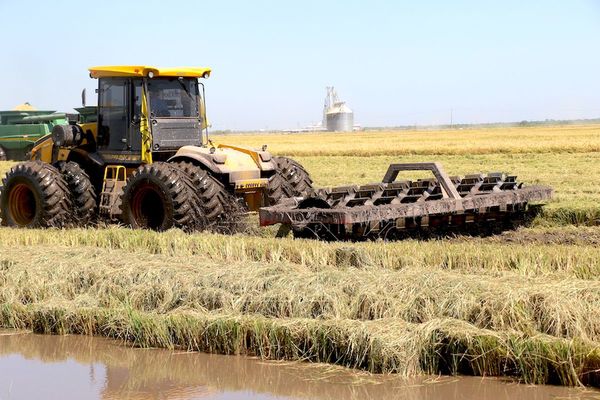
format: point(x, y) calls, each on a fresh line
point(146, 160)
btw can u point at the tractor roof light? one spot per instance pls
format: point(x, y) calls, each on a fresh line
point(150, 74)
point(206, 74)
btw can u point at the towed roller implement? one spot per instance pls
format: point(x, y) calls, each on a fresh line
point(145, 160)
point(393, 209)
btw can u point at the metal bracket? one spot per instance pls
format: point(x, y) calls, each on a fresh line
point(448, 188)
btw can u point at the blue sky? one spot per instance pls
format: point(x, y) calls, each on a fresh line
point(394, 62)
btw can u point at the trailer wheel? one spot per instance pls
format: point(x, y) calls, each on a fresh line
point(218, 208)
point(290, 180)
point(81, 190)
point(34, 195)
point(2, 154)
point(159, 196)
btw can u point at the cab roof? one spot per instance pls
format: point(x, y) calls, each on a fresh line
point(112, 71)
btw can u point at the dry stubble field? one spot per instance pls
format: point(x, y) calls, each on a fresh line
point(524, 304)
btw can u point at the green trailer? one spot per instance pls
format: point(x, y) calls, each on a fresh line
point(22, 126)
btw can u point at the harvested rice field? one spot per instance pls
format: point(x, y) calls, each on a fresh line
point(524, 304)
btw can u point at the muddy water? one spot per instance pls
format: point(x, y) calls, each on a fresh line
point(77, 367)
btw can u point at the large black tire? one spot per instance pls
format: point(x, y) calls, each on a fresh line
point(278, 189)
point(3, 154)
point(219, 209)
point(290, 180)
point(159, 196)
point(295, 174)
point(35, 195)
point(81, 190)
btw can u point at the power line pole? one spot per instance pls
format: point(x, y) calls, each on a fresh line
point(451, 117)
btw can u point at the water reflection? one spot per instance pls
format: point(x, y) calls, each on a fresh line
point(79, 367)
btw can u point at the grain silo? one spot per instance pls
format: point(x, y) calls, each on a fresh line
point(337, 116)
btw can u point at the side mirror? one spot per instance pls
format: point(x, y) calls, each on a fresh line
point(83, 98)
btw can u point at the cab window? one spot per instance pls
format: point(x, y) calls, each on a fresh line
point(112, 114)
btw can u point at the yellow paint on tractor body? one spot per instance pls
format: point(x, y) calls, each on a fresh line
point(237, 165)
point(42, 150)
point(112, 71)
point(91, 127)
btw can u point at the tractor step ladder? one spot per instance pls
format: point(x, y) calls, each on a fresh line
point(115, 177)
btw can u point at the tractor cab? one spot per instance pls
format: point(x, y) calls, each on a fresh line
point(148, 111)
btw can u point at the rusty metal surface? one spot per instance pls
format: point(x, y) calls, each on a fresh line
point(289, 213)
point(436, 168)
point(392, 209)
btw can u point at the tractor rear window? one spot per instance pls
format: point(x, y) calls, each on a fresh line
point(173, 98)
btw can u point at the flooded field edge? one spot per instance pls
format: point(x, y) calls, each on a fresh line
point(113, 370)
point(448, 347)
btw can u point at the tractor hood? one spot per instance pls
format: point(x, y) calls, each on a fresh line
point(238, 163)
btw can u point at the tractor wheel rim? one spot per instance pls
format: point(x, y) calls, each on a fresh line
point(147, 207)
point(22, 204)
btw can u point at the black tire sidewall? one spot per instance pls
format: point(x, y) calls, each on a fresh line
point(77, 181)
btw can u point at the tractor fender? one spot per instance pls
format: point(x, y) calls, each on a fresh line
point(202, 157)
